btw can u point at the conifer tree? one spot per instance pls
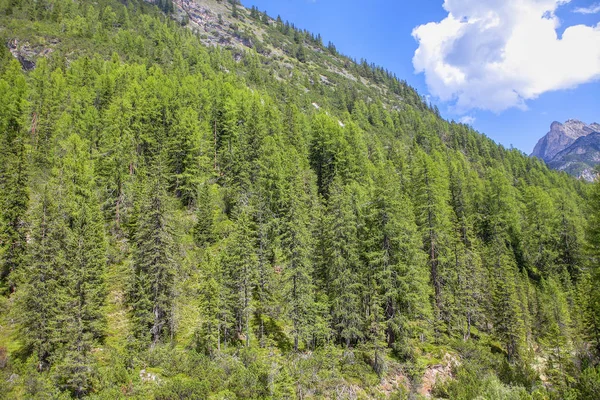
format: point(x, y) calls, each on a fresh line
point(399, 263)
point(556, 325)
point(327, 151)
point(297, 248)
point(115, 170)
point(570, 236)
point(204, 230)
point(592, 295)
point(433, 216)
point(342, 264)
point(14, 194)
point(241, 272)
point(46, 266)
point(184, 146)
point(46, 105)
point(153, 268)
point(470, 289)
point(540, 232)
point(82, 323)
point(64, 292)
point(499, 228)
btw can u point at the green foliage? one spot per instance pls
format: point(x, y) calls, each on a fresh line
point(153, 267)
point(14, 196)
point(180, 221)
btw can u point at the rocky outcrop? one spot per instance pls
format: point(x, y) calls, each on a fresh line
point(28, 54)
point(560, 137)
point(573, 147)
point(580, 158)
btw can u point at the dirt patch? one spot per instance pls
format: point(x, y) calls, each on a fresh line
point(439, 372)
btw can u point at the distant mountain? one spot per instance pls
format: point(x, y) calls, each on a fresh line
point(580, 158)
point(573, 147)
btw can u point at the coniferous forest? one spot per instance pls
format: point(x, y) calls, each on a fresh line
point(189, 222)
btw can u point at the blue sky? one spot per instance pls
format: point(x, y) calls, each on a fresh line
point(510, 67)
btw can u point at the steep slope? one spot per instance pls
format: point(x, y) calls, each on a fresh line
point(188, 214)
point(579, 158)
point(567, 148)
point(560, 137)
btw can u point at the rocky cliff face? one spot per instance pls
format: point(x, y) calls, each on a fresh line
point(573, 147)
point(560, 137)
point(580, 158)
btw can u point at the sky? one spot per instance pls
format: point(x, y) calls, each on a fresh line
point(508, 68)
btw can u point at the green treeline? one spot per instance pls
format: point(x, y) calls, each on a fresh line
point(179, 224)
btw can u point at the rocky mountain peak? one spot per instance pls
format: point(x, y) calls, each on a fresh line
point(573, 147)
point(560, 137)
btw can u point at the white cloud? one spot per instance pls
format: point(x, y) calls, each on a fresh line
point(592, 9)
point(496, 54)
point(467, 120)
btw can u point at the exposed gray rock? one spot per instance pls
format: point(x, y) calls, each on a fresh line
point(573, 147)
point(560, 137)
point(580, 158)
point(28, 54)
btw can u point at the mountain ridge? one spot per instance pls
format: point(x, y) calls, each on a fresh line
point(564, 148)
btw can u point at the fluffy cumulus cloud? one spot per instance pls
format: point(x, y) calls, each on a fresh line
point(497, 54)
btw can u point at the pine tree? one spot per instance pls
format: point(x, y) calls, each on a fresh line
point(297, 276)
point(498, 231)
point(265, 285)
point(46, 266)
point(14, 195)
point(540, 232)
point(115, 170)
point(184, 146)
point(433, 216)
point(48, 90)
point(570, 236)
point(342, 265)
point(241, 265)
point(556, 331)
point(204, 230)
point(82, 320)
point(327, 151)
point(398, 262)
point(470, 290)
point(592, 295)
point(153, 268)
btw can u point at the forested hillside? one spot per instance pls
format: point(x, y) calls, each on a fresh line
point(187, 222)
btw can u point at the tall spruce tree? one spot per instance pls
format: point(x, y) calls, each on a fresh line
point(341, 264)
point(499, 230)
point(241, 264)
point(46, 266)
point(82, 321)
point(14, 194)
point(431, 196)
point(297, 243)
point(153, 267)
point(399, 263)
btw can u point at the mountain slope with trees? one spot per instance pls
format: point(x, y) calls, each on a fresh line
point(183, 221)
